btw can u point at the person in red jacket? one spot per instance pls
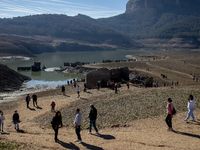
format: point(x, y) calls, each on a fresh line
point(128, 85)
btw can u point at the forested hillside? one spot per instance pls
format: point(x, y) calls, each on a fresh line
point(157, 19)
point(80, 27)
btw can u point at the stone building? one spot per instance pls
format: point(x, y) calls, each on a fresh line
point(104, 75)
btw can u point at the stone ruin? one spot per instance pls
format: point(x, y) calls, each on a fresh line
point(104, 75)
point(140, 81)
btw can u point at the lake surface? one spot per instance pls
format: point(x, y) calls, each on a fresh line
point(51, 60)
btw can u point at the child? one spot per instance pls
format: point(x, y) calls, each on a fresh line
point(2, 118)
point(128, 85)
point(53, 106)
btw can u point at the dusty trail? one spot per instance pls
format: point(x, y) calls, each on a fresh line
point(141, 134)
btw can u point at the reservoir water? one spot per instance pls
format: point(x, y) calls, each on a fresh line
point(51, 60)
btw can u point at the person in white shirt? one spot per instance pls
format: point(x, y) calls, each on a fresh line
point(2, 118)
point(78, 89)
point(190, 107)
point(77, 123)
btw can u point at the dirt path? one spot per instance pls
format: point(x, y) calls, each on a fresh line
point(141, 134)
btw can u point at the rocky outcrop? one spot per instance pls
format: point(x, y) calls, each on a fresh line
point(10, 80)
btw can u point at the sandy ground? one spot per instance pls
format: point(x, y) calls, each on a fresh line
point(142, 134)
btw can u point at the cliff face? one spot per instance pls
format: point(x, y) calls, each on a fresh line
point(10, 80)
point(163, 5)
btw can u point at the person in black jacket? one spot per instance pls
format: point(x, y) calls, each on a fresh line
point(57, 120)
point(34, 97)
point(16, 119)
point(93, 117)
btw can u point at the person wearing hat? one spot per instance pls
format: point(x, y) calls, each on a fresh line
point(93, 117)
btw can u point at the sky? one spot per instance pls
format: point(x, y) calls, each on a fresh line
point(92, 8)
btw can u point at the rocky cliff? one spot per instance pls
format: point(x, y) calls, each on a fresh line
point(164, 5)
point(10, 80)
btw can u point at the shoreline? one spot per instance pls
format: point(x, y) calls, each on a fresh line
point(14, 58)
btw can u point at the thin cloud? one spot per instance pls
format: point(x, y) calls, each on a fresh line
point(30, 7)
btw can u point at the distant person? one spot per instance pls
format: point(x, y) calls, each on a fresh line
point(156, 84)
point(128, 85)
point(63, 90)
point(164, 84)
point(16, 120)
point(78, 90)
point(74, 83)
point(34, 97)
point(115, 88)
point(27, 100)
point(112, 85)
point(77, 123)
point(56, 122)
point(190, 107)
point(98, 85)
point(93, 117)
point(2, 118)
point(53, 104)
point(85, 89)
point(68, 82)
point(172, 82)
point(177, 83)
point(169, 117)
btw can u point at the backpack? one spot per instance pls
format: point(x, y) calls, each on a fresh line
point(52, 121)
point(174, 111)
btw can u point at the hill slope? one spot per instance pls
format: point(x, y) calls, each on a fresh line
point(10, 79)
point(80, 27)
point(157, 19)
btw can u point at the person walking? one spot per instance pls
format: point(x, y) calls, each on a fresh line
point(93, 117)
point(27, 100)
point(53, 104)
point(78, 90)
point(2, 118)
point(190, 107)
point(128, 85)
point(57, 120)
point(34, 97)
point(115, 88)
point(169, 117)
point(98, 85)
point(16, 120)
point(63, 90)
point(77, 123)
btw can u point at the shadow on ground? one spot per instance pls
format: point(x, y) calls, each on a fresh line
point(92, 147)
point(32, 109)
point(4, 133)
point(20, 131)
point(187, 134)
point(106, 137)
point(38, 107)
point(68, 146)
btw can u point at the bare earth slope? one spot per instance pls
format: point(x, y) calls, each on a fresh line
point(128, 120)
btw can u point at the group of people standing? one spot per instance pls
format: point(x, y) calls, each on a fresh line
point(28, 99)
point(171, 111)
point(57, 123)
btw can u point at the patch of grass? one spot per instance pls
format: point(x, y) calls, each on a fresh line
point(114, 109)
point(8, 146)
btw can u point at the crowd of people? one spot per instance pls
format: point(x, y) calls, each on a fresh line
point(57, 119)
